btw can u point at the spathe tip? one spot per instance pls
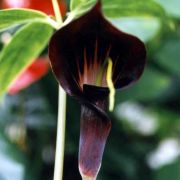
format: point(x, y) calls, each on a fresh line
point(86, 177)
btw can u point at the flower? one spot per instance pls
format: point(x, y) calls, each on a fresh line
point(79, 53)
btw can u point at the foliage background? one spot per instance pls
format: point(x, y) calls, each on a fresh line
point(144, 140)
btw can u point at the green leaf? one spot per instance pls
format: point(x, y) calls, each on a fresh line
point(168, 55)
point(143, 27)
point(75, 3)
point(12, 17)
point(119, 8)
point(169, 124)
point(167, 171)
point(172, 7)
point(25, 46)
point(78, 8)
point(140, 18)
point(151, 85)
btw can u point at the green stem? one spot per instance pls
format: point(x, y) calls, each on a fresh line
point(60, 141)
point(57, 12)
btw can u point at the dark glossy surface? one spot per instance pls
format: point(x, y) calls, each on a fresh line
point(79, 50)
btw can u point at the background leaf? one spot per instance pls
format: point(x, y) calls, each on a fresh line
point(13, 160)
point(144, 28)
point(172, 7)
point(151, 85)
point(120, 8)
point(12, 17)
point(25, 46)
point(75, 3)
point(140, 18)
point(167, 171)
point(168, 56)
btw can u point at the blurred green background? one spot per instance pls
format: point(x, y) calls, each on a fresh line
point(144, 143)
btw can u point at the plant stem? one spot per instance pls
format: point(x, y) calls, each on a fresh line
point(57, 12)
point(61, 124)
point(60, 141)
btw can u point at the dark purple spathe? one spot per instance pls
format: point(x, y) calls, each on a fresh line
point(78, 53)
